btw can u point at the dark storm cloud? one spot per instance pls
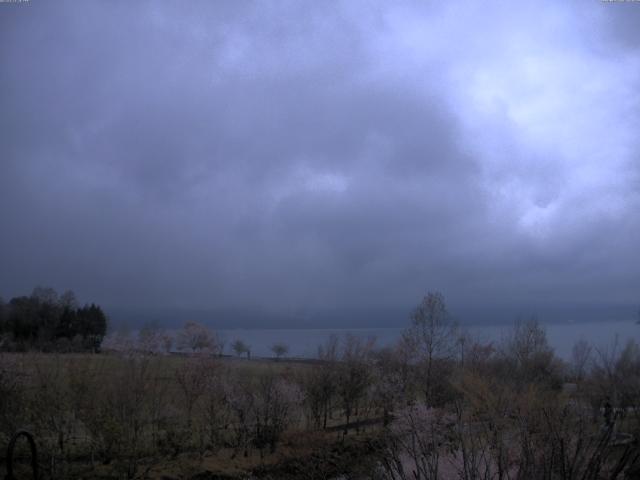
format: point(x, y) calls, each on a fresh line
point(297, 156)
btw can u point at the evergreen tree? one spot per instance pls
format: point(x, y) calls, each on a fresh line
point(43, 319)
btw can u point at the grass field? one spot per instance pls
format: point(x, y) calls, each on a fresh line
point(358, 412)
point(130, 416)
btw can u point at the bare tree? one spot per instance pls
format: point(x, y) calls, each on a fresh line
point(241, 348)
point(580, 357)
point(166, 343)
point(528, 357)
point(241, 402)
point(87, 381)
point(120, 341)
point(45, 295)
point(150, 338)
point(483, 412)
point(628, 373)
point(193, 378)
point(615, 379)
point(319, 384)
point(125, 414)
point(280, 349)
point(432, 334)
point(51, 405)
point(473, 455)
point(274, 400)
point(215, 411)
point(354, 376)
point(12, 397)
point(68, 300)
point(415, 444)
point(196, 338)
point(559, 441)
point(394, 378)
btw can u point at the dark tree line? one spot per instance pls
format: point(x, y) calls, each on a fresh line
point(50, 322)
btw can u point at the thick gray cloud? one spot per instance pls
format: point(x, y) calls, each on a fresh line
point(293, 156)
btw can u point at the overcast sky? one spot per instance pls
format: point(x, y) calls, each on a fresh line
point(292, 156)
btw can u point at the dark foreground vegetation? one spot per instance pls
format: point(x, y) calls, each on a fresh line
point(48, 322)
point(436, 405)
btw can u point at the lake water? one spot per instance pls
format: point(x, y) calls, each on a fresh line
point(304, 342)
